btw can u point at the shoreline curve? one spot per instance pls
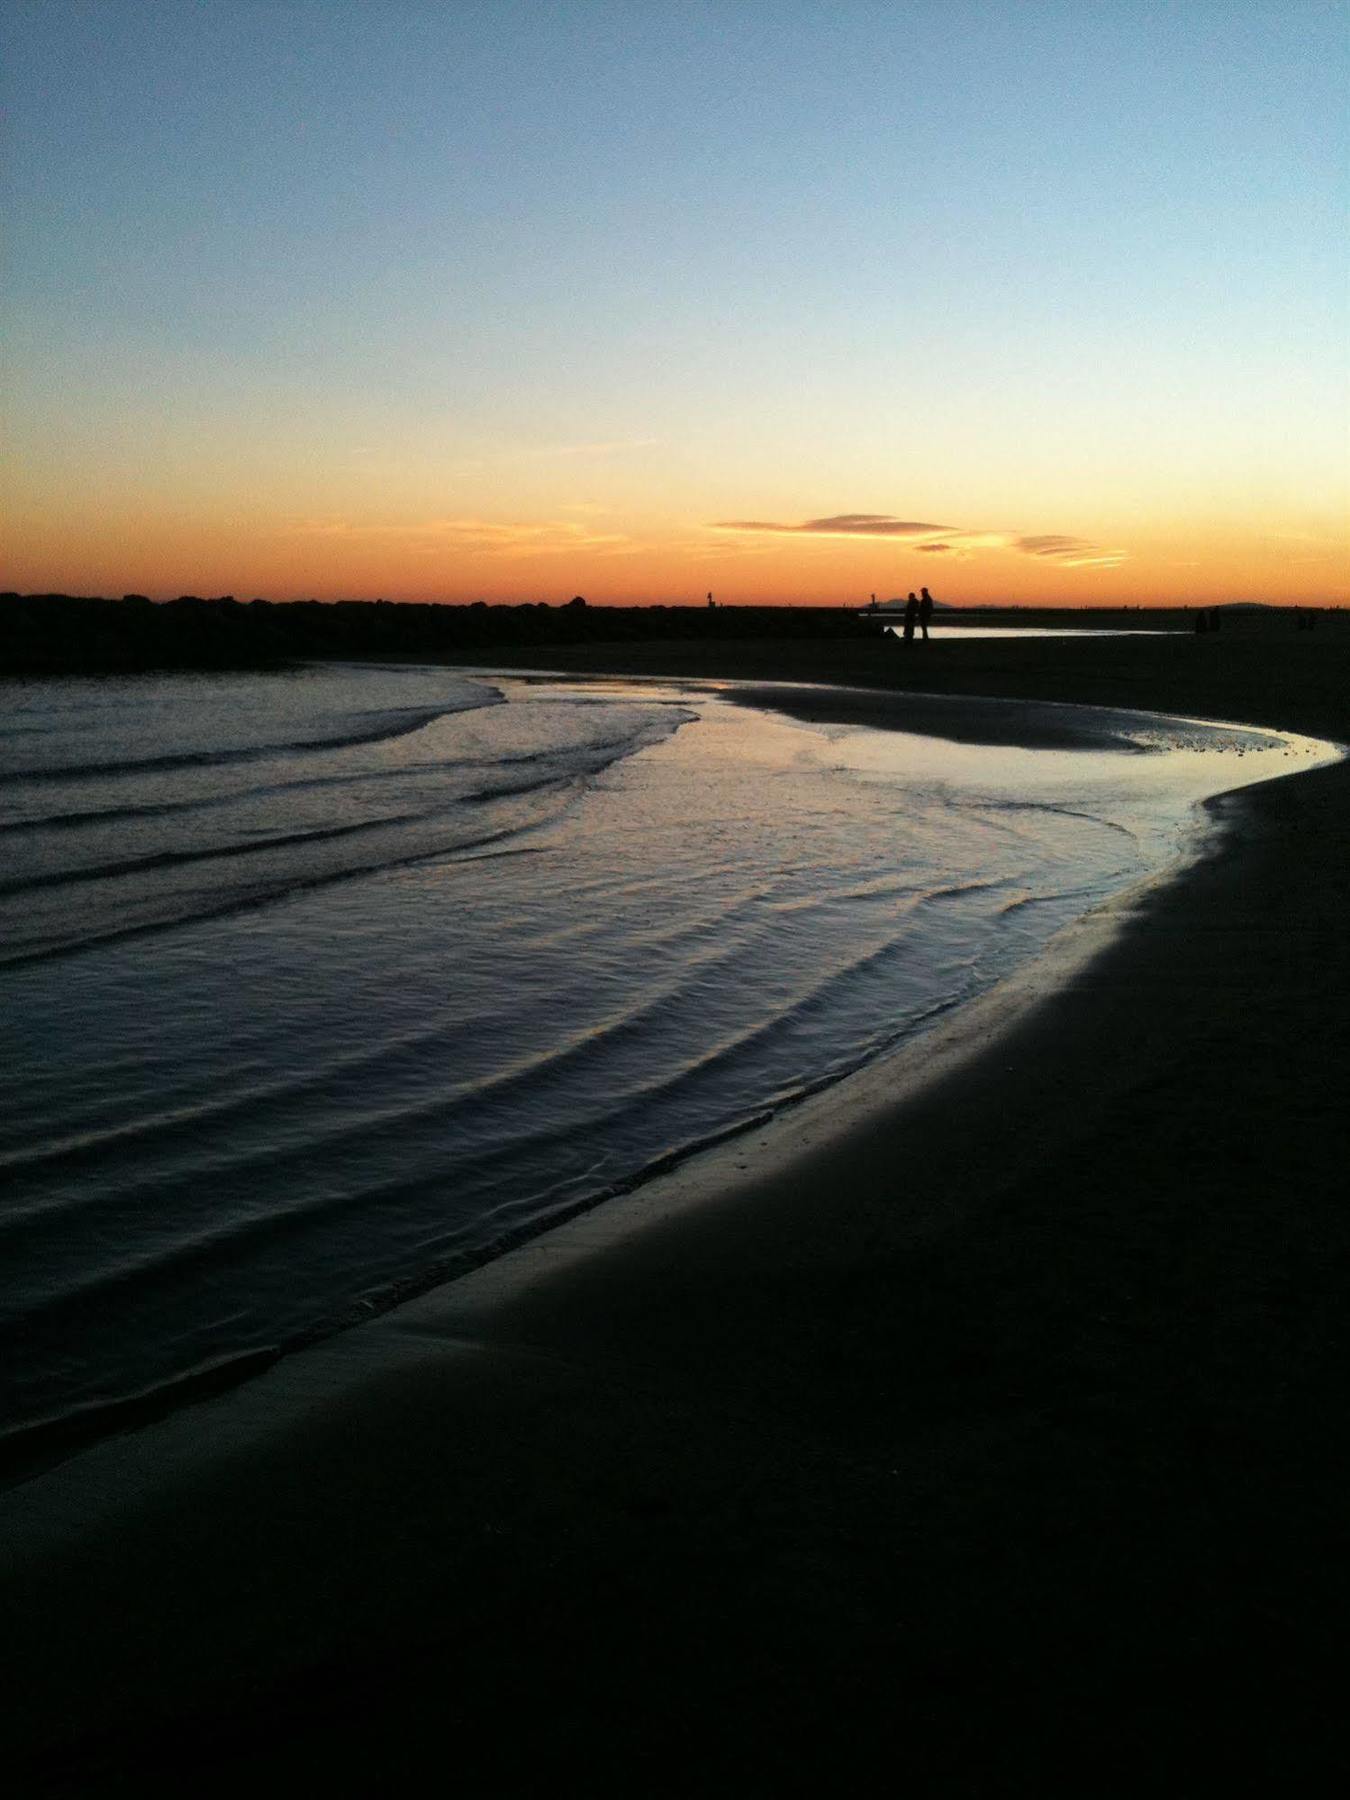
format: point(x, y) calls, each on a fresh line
point(1016, 1408)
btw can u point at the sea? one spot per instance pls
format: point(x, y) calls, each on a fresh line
point(320, 987)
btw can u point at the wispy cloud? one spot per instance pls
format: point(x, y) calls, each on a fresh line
point(477, 537)
point(941, 540)
point(1068, 552)
point(842, 525)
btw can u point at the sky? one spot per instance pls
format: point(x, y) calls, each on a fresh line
point(1030, 303)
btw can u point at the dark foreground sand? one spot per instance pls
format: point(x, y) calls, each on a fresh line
point(999, 1438)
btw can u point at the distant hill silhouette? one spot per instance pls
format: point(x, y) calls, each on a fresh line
point(69, 634)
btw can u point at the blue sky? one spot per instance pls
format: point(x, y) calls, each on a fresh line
point(1044, 267)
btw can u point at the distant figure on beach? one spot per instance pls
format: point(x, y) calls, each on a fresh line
point(911, 617)
point(925, 611)
point(1202, 620)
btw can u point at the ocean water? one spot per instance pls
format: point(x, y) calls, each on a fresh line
point(318, 987)
point(942, 628)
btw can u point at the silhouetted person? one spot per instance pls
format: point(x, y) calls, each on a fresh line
point(1201, 620)
point(925, 611)
point(911, 617)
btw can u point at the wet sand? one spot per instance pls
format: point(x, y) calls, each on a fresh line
point(981, 1424)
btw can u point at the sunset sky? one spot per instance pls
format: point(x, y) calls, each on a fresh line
point(794, 302)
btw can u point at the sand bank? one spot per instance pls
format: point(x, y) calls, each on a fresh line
point(988, 1422)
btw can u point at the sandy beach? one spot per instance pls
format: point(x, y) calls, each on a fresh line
point(980, 1421)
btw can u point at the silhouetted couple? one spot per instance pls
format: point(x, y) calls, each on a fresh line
point(918, 611)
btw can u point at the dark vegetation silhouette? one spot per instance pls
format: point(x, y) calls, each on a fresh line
point(42, 634)
point(59, 634)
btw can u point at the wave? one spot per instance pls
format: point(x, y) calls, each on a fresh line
point(26, 1447)
point(999, 805)
point(470, 1093)
point(401, 722)
point(135, 894)
point(243, 1138)
point(451, 1246)
point(245, 902)
point(168, 859)
point(1054, 897)
point(267, 790)
point(572, 1059)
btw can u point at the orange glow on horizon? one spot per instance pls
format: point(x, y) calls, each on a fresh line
point(618, 561)
point(1081, 345)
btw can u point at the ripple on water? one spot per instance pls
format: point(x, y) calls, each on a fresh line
point(319, 984)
